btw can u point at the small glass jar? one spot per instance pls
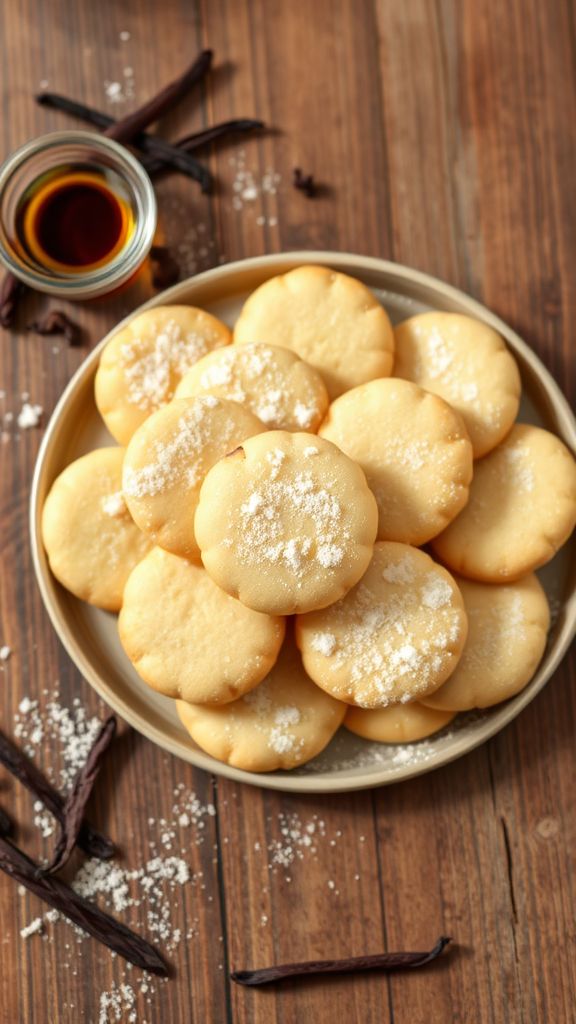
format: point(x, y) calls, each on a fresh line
point(68, 153)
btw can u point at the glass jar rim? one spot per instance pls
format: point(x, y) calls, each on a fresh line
point(103, 279)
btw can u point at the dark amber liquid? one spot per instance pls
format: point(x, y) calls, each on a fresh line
point(74, 222)
point(79, 224)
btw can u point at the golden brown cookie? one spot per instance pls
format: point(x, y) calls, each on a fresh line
point(186, 638)
point(415, 453)
point(507, 630)
point(90, 538)
point(168, 458)
point(331, 320)
point(521, 509)
point(283, 391)
point(282, 723)
point(395, 637)
point(286, 523)
point(399, 723)
point(144, 362)
point(466, 363)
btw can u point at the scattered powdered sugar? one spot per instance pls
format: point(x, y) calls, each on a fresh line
point(439, 355)
point(401, 571)
point(72, 728)
point(181, 458)
point(118, 1004)
point(153, 367)
point(311, 451)
point(297, 838)
point(113, 505)
point(43, 820)
point(469, 391)
point(316, 513)
point(118, 92)
point(499, 632)
point(304, 415)
point(154, 890)
point(443, 363)
point(196, 249)
point(275, 722)
point(281, 739)
point(323, 643)
point(249, 187)
point(330, 555)
point(35, 926)
point(253, 376)
point(386, 649)
point(287, 716)
point(349, 753)
point(411, 454)
point(5, 652)
point(29, 416)
point(517, 468)
point(436, 592)
point(154, 887)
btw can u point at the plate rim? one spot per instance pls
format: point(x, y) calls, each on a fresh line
point(312, 782)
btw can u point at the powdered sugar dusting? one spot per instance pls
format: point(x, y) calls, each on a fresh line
point(388, 648)
point(401, 571)
point(436, 592)
point(445, 366)
point(439, 355)
point(502, 630)
point(119, 1003)
point(317, 516)
point(34, 928)
point(276, 722)
point(30, 416)
point(517, 467)
point(151, 894)
point(323, 643)
point(113, 505)
point(152, 369)
point(71, 728)
point(257, 376)
point(181, 458)
point(250, 188)
point(282, 740)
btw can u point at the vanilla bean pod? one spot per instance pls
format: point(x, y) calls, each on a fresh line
point(79, 796)
point(350, 965)
point(129, 129)
point(85, 915)
point(22, 768)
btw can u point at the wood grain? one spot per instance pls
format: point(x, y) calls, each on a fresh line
point(442, 130)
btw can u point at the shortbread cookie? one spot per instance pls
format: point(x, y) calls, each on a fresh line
point(331, 320)
point(142, 364)
point(186, 638)
point(507, 629)
point(282, 723)
point(168, 458)
point(399, 723)
point(522, 508)
point(394, 638)
point(286, 523)
point(466, 363)
point(415, 453)
point(283, 391)
point(90, 538)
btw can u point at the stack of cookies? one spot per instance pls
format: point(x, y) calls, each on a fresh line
point(261, 528)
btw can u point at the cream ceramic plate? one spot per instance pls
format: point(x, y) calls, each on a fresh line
point(90, 636)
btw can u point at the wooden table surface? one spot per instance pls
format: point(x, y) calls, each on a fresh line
point(445, 132)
